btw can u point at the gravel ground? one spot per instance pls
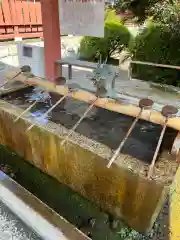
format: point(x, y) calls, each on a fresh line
point(12, 228)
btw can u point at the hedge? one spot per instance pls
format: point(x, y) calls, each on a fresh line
point(157, 44)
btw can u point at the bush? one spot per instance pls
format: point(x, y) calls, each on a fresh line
point(157, 44)
point(110, 15)
point(166, 12)
point(116, 38)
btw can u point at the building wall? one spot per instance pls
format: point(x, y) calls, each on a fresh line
point(20, 19)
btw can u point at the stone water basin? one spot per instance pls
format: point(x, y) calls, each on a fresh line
point(123, 190)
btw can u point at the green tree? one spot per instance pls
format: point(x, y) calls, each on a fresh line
point(140, 8)
point(157, 43)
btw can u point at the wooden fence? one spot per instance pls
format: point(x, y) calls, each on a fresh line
point(20, 18)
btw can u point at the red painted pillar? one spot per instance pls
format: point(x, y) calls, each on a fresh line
point(51, 34)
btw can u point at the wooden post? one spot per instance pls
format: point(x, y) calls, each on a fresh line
point(51, 34)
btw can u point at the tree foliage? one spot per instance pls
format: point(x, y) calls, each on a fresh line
point(140, 8)
point(157, 44)
point(167, 14)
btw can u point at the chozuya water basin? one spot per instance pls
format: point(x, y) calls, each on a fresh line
point(81, 163)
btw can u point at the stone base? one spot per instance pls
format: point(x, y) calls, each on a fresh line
point(117, 190)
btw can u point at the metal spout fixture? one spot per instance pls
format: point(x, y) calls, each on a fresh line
point(143, 104)
point(102, 80)
point(168, 112)
point(101, 91)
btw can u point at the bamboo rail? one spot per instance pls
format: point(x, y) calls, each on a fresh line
point(109, 104)
point(155, 64)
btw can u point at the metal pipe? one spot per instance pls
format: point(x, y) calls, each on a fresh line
point(144, 103)
point(77, 124)
point(25, 111)
point(49, 110)
point(168, 112)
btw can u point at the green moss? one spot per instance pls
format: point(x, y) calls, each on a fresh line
point(58, 196)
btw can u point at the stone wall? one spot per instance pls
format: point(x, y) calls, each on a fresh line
point(116, 190)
